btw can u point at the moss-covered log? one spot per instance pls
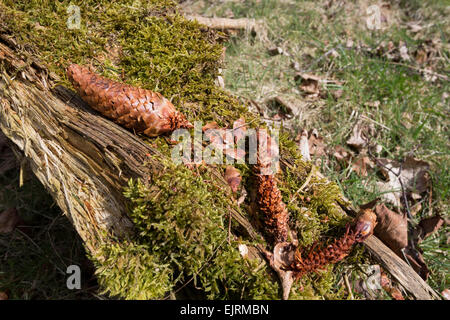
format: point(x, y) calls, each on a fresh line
point(151, 227)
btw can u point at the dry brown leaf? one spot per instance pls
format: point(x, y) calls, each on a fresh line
point(316, 145)
point(3, 296)
point(9, 219)
point(373, 104)
point(415, 259)
point(415, 209)
point(357, 141)
point(386, 284)
point(414, 26)
point(276, 51)
point(342, 154)
point(233, 178)
point(284, 107)
point(403, 51)
point(210, 125)
point(361, 165)
point(309, 83)
point(392, 228)
point(239, 129)
point(412, 172)
point(430, 225)
point(337, 94)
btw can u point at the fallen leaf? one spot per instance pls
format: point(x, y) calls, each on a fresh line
point(309, 83)
point(403, 50)
point(413, 174)
point(276, 51)
point(342, 154)
point(415, 259)
point(283, 255)
point(3, 296)
point(393, 291)
point(283, 107)
point(239, 129)
point(303, 145)
point(361, 165)
point(414, 26)
point(233, 178)
point(316, 145)
point(357, 140)
point(430, 225)
point(373, 104)
point(349, 43)
point(392, 228)
point(415, 209)
point(210, 125)
point(337, 94)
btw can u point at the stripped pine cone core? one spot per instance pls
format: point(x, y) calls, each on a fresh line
point(317, 258)
point(133, 108)
point(269, 198)
point(272, 207)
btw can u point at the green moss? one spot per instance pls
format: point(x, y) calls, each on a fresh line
point(180, 215)
point(182, 228)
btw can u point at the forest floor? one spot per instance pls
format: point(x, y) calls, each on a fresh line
point(363, 88)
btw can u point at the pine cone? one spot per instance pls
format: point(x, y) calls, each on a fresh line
point(269, 198)
point(272, 207)
point(317, 258)
point(134, 108)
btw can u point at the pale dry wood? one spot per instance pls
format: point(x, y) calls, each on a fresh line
point(400, 270)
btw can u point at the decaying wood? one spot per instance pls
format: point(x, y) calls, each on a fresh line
point(81, 158)
point(84, 160)
point(400, 270)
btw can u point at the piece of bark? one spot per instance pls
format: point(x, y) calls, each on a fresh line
point(400, 270)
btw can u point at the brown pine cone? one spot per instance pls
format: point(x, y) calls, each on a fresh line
point(317, 258)
point(134, 108)
point(269, 199)
point(272, 208)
